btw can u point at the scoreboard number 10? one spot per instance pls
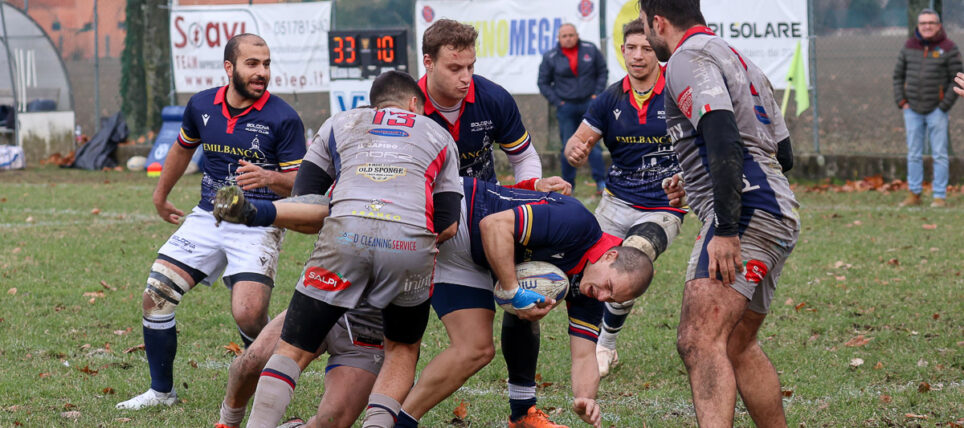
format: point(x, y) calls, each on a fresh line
point(363, 54)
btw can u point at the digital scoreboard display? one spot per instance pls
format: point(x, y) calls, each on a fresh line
point(364, 54)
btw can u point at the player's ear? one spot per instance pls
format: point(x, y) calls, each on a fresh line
point(414, 107)
point(229, 68)
point(427, 62)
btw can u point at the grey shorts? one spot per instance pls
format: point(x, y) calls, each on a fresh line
point(381, 261)
point(353, 348)
point(765, 244)
point(616, 217)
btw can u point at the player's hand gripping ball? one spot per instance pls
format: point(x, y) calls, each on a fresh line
point(231, 206)
point(540, 277)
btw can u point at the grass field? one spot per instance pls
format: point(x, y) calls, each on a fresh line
point(867, 281)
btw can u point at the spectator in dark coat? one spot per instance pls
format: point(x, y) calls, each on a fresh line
point(923, 78)
point(571, 75)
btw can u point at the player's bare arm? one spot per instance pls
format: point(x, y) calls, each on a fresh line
point(177, 160)
point(580, 144)
point(553, 184)
point(585, 380)
point(499, 244)
point(251, 176)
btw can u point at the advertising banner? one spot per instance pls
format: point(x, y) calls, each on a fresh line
point(766, 31)
point(513, 35)
point(296, 34)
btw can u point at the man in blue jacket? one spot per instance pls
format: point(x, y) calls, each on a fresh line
point(571, 75)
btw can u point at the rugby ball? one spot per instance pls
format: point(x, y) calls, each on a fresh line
point(543, 278)
point(136, 163)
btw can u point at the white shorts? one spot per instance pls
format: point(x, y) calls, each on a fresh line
point(454, 264)
point(616, 217)
point(229, 249)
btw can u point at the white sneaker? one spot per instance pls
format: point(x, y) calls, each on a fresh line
point(150, 398)
point(607, 359)
point(292, 423)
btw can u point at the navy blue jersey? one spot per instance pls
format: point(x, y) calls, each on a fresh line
point(268, 134)
point(642, 153)
point(549, 227)
point(489, 115)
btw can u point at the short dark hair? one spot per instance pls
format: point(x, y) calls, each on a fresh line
point(397, 87)
point(635, 26)
point(633, 261)
point(233, 47)
point(681, 14)
point(447, 32)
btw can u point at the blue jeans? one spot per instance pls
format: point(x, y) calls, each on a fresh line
point(935, 124)
point(570, 116)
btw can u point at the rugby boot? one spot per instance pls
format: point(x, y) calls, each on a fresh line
point(150, 398)
point(220, 425)
point(939, 203)
point(912, 200)
point(606, 358)
point(231, 206)
point(535, 418)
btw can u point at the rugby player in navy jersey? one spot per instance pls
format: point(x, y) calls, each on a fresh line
point(503, 226)
point(251, 138)
point(732, 145)
point(479, 114)
point(630, 117)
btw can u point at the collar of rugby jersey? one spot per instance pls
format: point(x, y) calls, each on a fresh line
point(605, 243)
point(699, 29)
point(430, 109)
point(642, 109)
point(220, 98)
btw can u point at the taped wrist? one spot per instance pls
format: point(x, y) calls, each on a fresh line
point(264, 213)
point(724, 150)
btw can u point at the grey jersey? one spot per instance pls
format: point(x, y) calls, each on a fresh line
point(706, 74)
point(387, 164)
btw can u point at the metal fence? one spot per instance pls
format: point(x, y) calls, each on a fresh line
point(856, 46)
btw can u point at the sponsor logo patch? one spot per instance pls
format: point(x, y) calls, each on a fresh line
point(755, 271)
point(324, 279)
point(378, 243)
point(258, 128)
point(378, 172)
point(685, 102)
point(384, 132)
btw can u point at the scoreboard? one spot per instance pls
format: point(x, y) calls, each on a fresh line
point(364, 54)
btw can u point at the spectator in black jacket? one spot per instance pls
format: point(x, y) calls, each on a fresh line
point(571, 74)
point(923, 78)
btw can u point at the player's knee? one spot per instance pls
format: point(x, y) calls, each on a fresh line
point(649, 237)
point(164, 290)
point(252, 324)
point(478, 355)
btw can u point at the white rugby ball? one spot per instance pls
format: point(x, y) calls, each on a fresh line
point(136, 163)
point(543, 278)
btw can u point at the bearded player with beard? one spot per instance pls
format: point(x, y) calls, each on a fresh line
point(250, 138)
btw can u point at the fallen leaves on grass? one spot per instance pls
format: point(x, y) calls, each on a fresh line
point(108, 390)
point(89, 371)
point(878, 366)
point(95, 211)
point(461, 411)
point(69, 406)
point(860, 340)
point(886, 398)
point(915, 416)
point(73, 414)
point(929, 226)
point(923, 387)
point(123, 332)
point(893, 262)
point(787, 393)
point(107, 286)
point(875, 183)
point(43, 375)
point(94, 294)
point(134, 349)
point(12, 291)
point(856, 362)
point(232, 348)
point(799, 306)
point(123, 419)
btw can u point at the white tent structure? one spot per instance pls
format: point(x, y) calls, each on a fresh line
point(34, 86)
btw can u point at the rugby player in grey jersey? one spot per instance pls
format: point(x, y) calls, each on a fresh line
point(732, 146)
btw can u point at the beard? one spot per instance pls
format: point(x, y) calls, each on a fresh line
point(242, 87)
point(660, 48)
